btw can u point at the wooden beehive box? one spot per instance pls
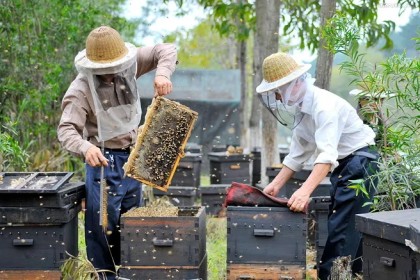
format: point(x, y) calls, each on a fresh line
point(227, 168)
point(188, 171)
point(31, 274)
point(165, 247)
point(213, 197)
point(388, 242)
point(37, 246)
point(160, 144)
point(265, 272)
point(179, 196)
point(38, 223)
point(265, 243)
point(164, 241)
point(296, 182)
point(318, 224)
point(265, 235)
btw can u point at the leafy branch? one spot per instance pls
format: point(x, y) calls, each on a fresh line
point(390, 103)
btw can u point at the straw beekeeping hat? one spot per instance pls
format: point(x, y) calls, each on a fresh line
point(105, 49)
point(280, 69)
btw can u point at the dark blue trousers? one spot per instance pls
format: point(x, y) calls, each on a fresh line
point(343, 237)
point(103, 249)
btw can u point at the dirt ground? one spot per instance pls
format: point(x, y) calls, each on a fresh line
point(311, 272)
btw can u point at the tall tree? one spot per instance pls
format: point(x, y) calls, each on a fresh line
point(38, 43)
point(235, 19)
point(301, 18)
point(325, 57)
point(306, 18)
point(266, 42)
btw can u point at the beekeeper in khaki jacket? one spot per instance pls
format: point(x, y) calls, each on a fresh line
point(101, 115)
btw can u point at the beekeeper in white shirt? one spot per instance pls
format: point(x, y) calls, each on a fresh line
point(327, 127)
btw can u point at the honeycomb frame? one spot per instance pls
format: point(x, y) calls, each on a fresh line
point(160, 144)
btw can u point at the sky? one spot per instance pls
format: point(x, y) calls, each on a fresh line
point(165, 25)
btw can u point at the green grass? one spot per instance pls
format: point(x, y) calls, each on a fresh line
point(204, 180)
point(216, 248)
point(81, 233)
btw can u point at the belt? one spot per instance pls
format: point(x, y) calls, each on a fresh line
point(123, 150)
point(361, 152)
point(365, 154)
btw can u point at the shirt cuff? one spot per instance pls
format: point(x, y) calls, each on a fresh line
point(326, 158)
point(292, 164)
point(85, 146)
point(164, 72)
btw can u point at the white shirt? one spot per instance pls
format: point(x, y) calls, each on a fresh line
point(330, 130)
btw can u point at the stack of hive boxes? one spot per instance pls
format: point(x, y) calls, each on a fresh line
point(39, 223)
point(226, 166)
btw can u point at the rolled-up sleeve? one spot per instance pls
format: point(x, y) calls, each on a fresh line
point(300, 151)
point(327, 135)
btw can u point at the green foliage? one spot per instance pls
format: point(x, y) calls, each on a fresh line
point(392, 106)
point(340, 82)
point(202, 48)
point(302, 17)
point(38, 43)
point(236, 17)
point(230, 18)
point(359, 187)
point(12, 156)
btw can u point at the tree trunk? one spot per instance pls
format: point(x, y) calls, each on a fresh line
point(242, 61)
point(325, 58)
point(266, 42)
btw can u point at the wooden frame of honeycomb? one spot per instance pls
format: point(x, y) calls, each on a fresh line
point(160, 144)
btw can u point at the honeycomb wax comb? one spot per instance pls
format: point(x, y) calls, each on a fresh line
point(160, 144)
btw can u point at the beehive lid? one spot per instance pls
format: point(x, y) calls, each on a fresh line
point(193, 148)
point(415, 236)
point(214, 189)
point(225, 157)
point(189, 156)
point(390, 225)
point(33, 182)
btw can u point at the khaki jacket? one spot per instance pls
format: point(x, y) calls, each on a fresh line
point(78, 125)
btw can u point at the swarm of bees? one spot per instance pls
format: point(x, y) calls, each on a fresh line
point(160, 144)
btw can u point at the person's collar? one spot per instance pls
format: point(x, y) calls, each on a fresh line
point(308, 100)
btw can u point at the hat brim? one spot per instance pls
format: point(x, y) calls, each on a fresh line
point(266, 86)
point(82, 62)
